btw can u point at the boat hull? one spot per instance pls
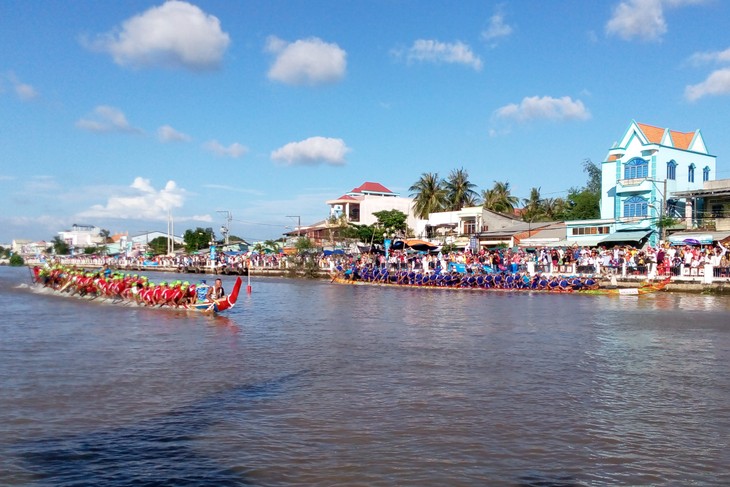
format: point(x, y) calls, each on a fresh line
point(648, 288)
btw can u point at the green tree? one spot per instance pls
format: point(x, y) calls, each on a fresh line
point(585, 203)
point(582, 204)
point(459, 190)
point(500, 198)
point(394, 219)
point(59, 246)
point(197, 239)
point(105, 234)
point(532, 209)
point(158, 245)
point(16, 260)
point(429, 195)
point(271, 245)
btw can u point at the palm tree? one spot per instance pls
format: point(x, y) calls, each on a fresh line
point(459, 190)
point(429, 195)
point(271, 245)
point(553, 208)
point(532, 206)
point(499, 198)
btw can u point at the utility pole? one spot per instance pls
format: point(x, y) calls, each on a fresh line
point(225, 229)
point(299, 224)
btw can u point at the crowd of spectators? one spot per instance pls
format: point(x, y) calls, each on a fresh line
point(689, 260)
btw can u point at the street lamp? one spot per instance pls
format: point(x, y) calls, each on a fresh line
point(388, 236)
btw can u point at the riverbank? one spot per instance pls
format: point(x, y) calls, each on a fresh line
point(679, 284)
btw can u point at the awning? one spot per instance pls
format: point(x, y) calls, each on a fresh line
point(635, 236)
point(583, 242)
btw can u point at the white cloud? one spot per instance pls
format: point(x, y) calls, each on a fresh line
point(143, 202)
point(175, 34)
point(23, 91)
point(425, 50)
point(307, 61)
point(234, 150)
point(544, 108)
point(312, 151)
point(168, 134)
point(107, 119)
point(701, 58)
point(717, 83)
point(642, 19)
point(496, 28)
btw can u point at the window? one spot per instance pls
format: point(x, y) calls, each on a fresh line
point(691, 174)
point(590, 231)
point(470, 227)
point(718, 211)
point(636, 168)
point(635, 206)
point(706, 174)
point(671, 170)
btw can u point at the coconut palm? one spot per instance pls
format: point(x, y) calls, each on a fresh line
point(532, 206)
point(459, 190)
point(553, 208)
point(499, 198)
point(428, 195)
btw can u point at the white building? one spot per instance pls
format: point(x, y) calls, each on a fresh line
point(640, 176)
point(457, 226)
point(360, 204)
point(82, 236)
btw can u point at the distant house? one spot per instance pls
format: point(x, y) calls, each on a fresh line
point(82, 236)
point(647, 174)
point(456, 227)
point(359, 205)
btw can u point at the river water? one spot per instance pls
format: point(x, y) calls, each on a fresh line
point(312, 383)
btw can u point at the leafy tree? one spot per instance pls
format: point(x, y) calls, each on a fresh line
point(16, 260)
point(582, 205)
point(197, 239)
point(500, 198)
point(104, 234)
point(394, 219)
point(459, 190)
point(585, 203)
point(158, 245)
point(59, 246)
point(428, 195)
point(594, 176)
point(303, 245)
point(363, 233)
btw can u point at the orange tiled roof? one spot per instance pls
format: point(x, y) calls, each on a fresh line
point(612, 157)
point(654, 134)
point(682, 139)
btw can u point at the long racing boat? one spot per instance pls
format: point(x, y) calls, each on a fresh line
point(131, 290)
point(479, 286)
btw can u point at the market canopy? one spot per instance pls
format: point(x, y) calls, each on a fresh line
point(628, 236)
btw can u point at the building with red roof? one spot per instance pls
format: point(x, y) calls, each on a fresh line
point(360, 204)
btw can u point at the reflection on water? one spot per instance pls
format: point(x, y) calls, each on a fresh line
point(307, 383)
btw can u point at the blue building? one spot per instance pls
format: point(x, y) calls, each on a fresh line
point(641, 175)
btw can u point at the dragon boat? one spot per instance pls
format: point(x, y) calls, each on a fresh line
point(62, 286)
point(645, 288)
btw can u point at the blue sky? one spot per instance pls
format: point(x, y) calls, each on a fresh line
point(116, 113)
